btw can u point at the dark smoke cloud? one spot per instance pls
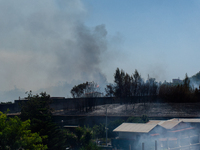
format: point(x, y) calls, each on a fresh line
point(46, 46)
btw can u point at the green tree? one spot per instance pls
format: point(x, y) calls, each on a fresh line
point(16, 134)
point(38, 110)
point(99, 131)
point(79, 134)
point(71, 139)
point(81, 138)
point(111, 126)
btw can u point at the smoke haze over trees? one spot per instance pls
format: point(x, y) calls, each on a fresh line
point(129, 86)
point(50, 46)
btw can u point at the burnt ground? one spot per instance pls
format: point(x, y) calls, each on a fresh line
point(138, 109)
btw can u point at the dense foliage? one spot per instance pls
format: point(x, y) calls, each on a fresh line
point(81, 139)
point(16, 134)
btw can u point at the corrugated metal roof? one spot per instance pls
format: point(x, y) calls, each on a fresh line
point(169, 124)
point(135, 127)
point(155, 121)
point(187, 120)
point(145, 128)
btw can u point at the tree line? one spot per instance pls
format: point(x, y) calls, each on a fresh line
point(126, 85)
point(180, 93)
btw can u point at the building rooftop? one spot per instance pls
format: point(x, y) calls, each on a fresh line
point(147, 127)
point(135, 127)
point(167, 124)
point(186, 120)
point(155, 121)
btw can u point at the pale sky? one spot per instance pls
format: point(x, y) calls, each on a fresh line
point(52, 45)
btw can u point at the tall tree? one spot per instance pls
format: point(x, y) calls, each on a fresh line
point(38, 110)
point(119, 82)
point(127, 85)
point(136, 83)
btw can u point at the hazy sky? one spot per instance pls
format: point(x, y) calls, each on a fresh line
point(52, 45)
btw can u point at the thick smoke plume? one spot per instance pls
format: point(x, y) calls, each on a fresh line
point(45, 46)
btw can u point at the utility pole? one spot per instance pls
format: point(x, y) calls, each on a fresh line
point(106, 127)
point(62, 125)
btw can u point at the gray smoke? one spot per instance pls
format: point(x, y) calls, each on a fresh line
point(45, 46)
point(194, 83)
